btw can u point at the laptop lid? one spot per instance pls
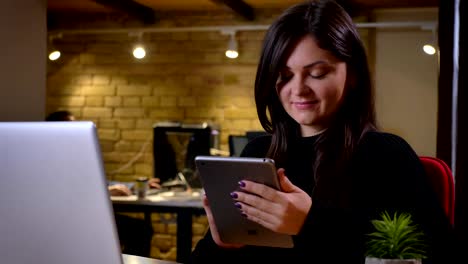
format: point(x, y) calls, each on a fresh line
point(53, 195)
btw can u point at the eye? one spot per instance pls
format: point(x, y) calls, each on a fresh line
point(319, 73)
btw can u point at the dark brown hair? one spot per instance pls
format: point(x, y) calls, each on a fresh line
point(63, 115)
point(333, 30)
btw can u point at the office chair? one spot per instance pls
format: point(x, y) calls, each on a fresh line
point(442, 181)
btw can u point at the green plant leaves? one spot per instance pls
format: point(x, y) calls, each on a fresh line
point(396, 238)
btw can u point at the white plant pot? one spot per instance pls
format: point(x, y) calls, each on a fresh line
point(392, 261)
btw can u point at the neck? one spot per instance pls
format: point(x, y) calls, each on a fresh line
point(313, 133)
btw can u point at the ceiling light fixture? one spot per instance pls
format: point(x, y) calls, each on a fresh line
point(139, 51)
point(430, 47)
point(54, 53)
point(232, 51)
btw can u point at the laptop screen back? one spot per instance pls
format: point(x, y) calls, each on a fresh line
point(53, 195)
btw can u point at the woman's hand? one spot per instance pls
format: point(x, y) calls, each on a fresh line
point(213, 228)
point(281, 211)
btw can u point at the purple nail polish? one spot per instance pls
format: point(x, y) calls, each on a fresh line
point(243, 214)
point(242, 184)
point(233, 195)
point(238, 205)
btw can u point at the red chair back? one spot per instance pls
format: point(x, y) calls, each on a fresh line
point(442, 181)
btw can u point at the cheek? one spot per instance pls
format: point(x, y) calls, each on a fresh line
point(331, 93)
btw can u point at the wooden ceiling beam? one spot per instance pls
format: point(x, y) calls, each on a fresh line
point(240, 7)
point(141, 12)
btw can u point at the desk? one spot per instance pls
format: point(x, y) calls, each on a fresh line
point(184, 207)
point(131, 259)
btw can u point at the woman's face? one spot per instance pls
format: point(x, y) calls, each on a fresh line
point(310, 86)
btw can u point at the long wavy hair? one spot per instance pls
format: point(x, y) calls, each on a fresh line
point(333, 30)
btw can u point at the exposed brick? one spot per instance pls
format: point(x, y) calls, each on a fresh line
point(106, 145)
point(112, 167)
point(129, 112)
point(188, 101)
point(112, 101)
point(145, 169)
point(97, 112)
point(152, 101)
point(69, 89)
point(137, 134)
point(131, 101)
point(205, 113)
point(108, 134)
point(124, 146)
point(94, 101)
point(126, 123)
point(119, 80)
point(98, 90)
point(168, 101)
point(167, 113)
point(127, 90)
point(67, 101)
point(240, 113)
point(101, 80)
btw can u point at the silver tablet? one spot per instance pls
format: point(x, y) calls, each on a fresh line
point(220, 177)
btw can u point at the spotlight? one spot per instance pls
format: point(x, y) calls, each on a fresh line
point(54, 55)
point(231, 51)
point(429, 49)
point(54, 52)
point(139, 52)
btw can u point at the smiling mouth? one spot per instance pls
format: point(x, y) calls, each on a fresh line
point(305, 104)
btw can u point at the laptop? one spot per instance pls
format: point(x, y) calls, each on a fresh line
point(53, 195)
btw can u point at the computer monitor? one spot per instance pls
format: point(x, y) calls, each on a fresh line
point(175, 146)
point(236, 144)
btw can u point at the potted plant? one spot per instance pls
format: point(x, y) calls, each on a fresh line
point(395, 240)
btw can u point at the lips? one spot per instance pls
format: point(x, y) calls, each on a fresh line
point(304, 105)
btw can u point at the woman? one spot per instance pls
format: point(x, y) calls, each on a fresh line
point(337, 172)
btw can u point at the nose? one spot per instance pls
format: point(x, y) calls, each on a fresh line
point(299, 86)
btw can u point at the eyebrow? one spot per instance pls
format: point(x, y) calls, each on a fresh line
point(309, 65)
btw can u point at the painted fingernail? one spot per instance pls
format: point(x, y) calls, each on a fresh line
point(238, 205)
point(242, 184)
point(244, 215)
point(233, 195)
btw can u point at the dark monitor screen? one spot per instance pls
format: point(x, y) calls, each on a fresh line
point(175, 148)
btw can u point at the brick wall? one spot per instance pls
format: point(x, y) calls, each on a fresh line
point(184, 77)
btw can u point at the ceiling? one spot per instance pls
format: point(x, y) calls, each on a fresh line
point(144, 9)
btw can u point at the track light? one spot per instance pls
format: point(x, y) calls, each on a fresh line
point(54, 53)
point(429, 49)
point(139, 51)
point(232, 51)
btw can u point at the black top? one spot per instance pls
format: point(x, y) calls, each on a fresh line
point(385, 174)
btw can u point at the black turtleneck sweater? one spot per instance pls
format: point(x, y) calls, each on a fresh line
point(384, 174)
